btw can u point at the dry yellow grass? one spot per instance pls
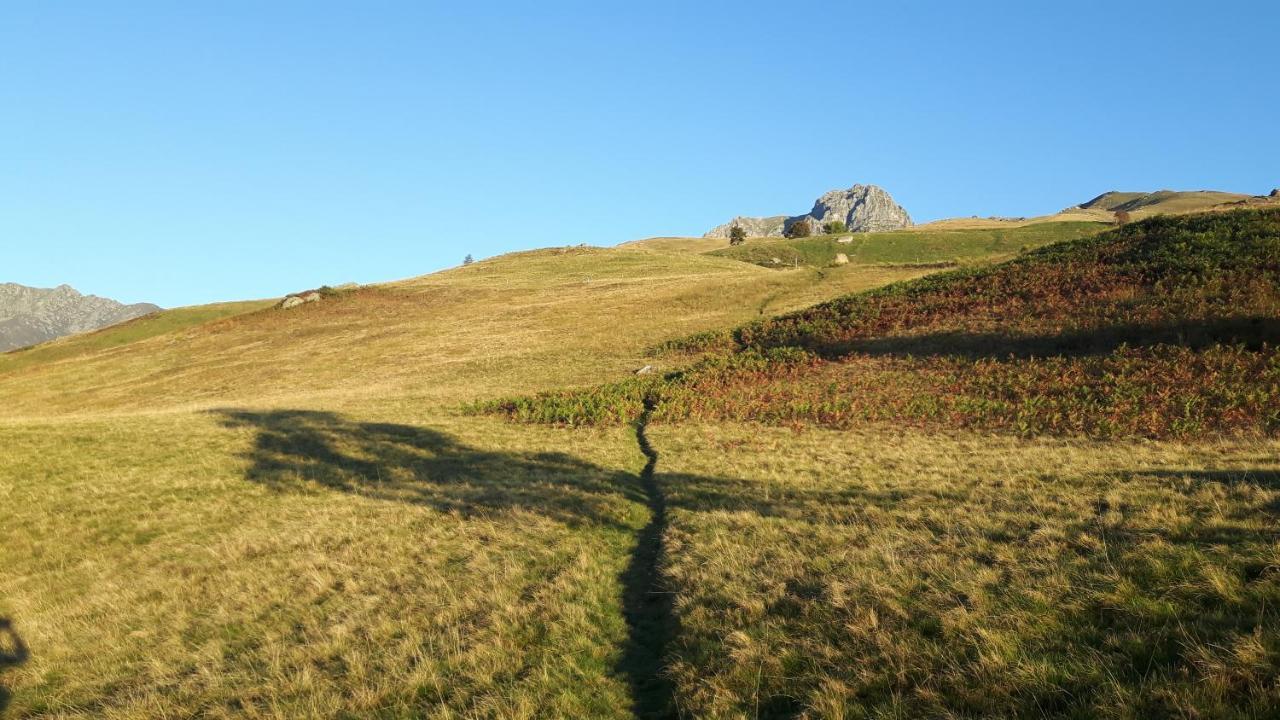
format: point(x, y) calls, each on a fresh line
point(223, 565)
point(535, 320)
point(1181, 204)
point(281, 514)
point(679, 244)
point(877, 574)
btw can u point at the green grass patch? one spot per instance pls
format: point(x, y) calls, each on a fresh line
point(908, 247)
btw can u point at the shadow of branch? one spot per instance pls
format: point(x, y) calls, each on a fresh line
point(13, 652)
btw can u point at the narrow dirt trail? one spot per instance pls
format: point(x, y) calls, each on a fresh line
point(648, 606)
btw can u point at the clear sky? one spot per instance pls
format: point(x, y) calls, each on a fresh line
point(186, 152)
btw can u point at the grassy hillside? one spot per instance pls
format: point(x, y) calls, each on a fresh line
point(904, 565)
point(496, 324)
point(281, 513)
point(1167, 327)
point(1139, 205)
point(907, 246)
point(160, 323)
point(1163, 201)
point(284, 514)
point(679, 244)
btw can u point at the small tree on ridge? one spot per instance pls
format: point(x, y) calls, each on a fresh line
point(799, 229)
point(737, 235)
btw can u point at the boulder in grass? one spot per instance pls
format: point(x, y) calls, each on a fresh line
point(296, 299)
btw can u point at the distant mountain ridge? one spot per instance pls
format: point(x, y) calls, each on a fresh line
point(29, 316)
point(1117, 201)
point(862, 208)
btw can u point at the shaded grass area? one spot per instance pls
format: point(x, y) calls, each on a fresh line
point(909, 246)
point(13, 652)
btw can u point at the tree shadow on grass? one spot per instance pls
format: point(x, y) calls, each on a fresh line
point(1266, 478)
point(297, 450)
point(13, 652)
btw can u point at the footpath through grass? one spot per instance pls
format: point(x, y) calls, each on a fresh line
point(324, 536)
point(1112, 551)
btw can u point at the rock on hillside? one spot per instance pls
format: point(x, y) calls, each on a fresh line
point(755, 227)
point(862, 208)
point(34, 315)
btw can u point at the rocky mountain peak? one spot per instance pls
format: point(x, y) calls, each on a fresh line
point(862, 208)
point(31, 315)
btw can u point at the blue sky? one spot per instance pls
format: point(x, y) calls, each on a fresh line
point(187, 152)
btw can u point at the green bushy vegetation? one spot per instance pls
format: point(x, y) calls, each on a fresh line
point(907, 247)
point(1166, 270)
point(1164, 328)
point(801, 228)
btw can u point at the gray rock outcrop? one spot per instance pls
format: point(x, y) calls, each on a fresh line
point(29, 316)
point(862, 208)
point(302, 298)
point(755, 227)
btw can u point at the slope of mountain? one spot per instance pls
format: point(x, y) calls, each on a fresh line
point(498, 322)
point(1139, 205)
point(283, 513)
point(1169, 201)
point(862, 208)
point(1164, 328)
point(29, 316)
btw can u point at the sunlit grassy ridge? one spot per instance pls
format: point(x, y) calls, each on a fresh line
point(908, 246)
point(1164, 328)
point(550, 318)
